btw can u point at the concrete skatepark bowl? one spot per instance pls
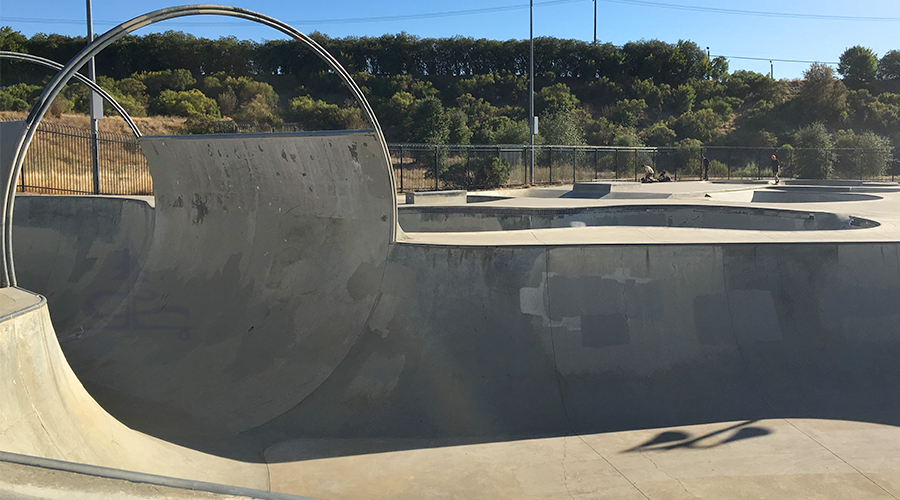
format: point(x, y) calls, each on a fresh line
point(265, 321)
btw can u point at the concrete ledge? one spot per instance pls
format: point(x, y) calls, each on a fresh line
point(600, 189)
point(604, 187)
point(436, 197)
point(142, 478)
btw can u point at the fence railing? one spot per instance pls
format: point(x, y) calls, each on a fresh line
point(59, 161)
point(419, 167)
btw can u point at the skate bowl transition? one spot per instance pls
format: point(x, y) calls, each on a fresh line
point(265, 321)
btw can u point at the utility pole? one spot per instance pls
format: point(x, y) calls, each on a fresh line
point(771, 70)
point(531, 118)
point(96, 109)
point(595, 22)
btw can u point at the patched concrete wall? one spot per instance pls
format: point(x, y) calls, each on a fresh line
point(477, 341)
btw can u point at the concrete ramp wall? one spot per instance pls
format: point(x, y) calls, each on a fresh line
point(265, 261)
point(45, 411)
point(232, 299)
point(488, 341)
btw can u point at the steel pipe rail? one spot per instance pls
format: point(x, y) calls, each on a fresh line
point(7, 274)
point(17, 56)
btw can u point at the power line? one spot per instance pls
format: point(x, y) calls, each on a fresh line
point(489, 10)
point(775, 60)
point(432, 15)
point(758, 13)
point(349, 20)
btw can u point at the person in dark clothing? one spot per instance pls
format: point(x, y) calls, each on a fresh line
point(705, 168)
point(776, 166)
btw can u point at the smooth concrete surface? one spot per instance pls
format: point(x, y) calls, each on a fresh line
point(435, 197)
point(21, 482)
point(272, 320)
point(481, 217)
point(9, 134)
point(777, 459)
point(46, 412)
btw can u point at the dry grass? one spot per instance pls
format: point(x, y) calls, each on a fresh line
point(61, 162)
point(152, 125)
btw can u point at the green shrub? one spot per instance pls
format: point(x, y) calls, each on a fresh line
point(185, 103)
point(484, 173)
point(813, 158)
point(8, 102)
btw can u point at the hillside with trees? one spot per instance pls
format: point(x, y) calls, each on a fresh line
point(474, 91)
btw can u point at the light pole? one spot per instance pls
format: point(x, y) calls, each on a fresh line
point(95, 103)
point(532, 123)
point(595, 22)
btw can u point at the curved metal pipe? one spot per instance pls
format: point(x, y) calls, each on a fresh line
point(17, 56)
point(7, 273)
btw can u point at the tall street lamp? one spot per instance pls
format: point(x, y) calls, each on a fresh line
point(531, 118)
point(96, 108)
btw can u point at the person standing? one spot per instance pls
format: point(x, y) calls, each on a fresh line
point(705, 168)
point(776, 166)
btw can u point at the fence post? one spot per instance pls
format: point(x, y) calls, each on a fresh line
point(616, 152)
point(401, 168)
point(728, 174)
point(859, 163)
point(436, 168)
point(525, 157)
point(469, 176)
point(574, 165)
point(95, 152)
point(793, 165)
point(550, 161)
point(758, 165)
point(634, 163)
point(675, 165)
point(596, 153)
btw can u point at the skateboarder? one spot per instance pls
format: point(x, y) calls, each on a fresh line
point(776, 166)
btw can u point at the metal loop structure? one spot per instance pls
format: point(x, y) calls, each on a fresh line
point(40, 108)
point(17, 56)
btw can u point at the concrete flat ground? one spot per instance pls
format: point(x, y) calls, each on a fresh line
point(798, 458)
point(785, 458)
point(872, 200)
point(274, 328)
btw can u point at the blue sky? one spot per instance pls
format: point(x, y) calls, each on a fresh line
point(784, 31)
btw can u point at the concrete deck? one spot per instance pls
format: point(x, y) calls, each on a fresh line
point(262, 323)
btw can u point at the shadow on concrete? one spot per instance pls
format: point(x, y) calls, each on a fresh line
point(672, 440)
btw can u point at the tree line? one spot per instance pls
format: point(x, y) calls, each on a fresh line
point(464, 90)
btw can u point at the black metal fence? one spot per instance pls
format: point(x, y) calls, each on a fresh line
point(419, 167)
point(59, 161)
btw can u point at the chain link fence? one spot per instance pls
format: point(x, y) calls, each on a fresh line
point(59, 162)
